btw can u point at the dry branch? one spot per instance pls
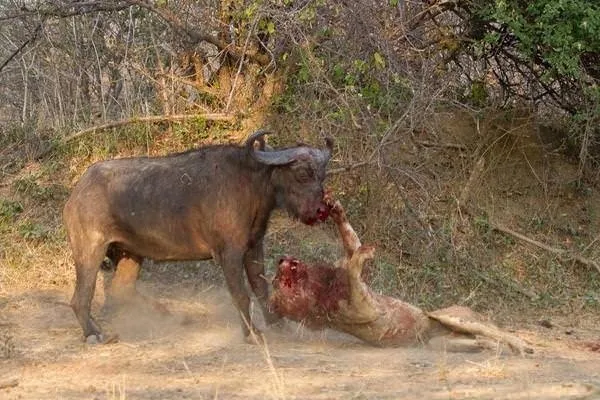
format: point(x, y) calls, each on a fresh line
point(428, 143)
point(323, 296)
point(348, 168)
point(473, 180)
point(553, 250)
point(197, 36)
point(22, 46)
point(89, 7)
point(67, 10)
point(9, 383)
point(149, 118)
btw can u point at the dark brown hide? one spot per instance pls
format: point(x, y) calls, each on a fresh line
point(212, 202)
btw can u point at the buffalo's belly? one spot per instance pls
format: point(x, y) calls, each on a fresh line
point(177, 256)
point(165, 248)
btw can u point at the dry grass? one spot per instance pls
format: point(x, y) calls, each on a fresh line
point(431, 252)
point(118, 389)
point(491, 368)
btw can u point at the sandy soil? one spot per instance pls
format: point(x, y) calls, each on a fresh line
point(197, 352)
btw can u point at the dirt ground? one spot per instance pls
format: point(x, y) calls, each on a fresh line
point(197, 352)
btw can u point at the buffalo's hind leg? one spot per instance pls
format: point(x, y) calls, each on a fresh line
point(86, 268)
point(255, 270)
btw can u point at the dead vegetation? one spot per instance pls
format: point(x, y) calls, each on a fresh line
point(427, 172)
point(432, 212)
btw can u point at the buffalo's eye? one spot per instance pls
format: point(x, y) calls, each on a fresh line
point(305, 174)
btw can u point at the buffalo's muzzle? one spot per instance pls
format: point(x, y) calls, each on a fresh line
point(323, 212)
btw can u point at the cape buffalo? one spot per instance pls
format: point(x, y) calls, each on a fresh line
point(212, 202)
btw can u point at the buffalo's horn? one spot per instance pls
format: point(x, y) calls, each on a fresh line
point(258, 135)
point(277, 157)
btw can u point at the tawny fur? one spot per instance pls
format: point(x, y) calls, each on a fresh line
point(335, 296)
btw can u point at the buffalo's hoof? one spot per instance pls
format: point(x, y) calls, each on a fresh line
point(94, 338)
point(100, 339)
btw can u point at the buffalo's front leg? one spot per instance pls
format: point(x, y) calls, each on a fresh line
point(232, 263)
point(255, 270)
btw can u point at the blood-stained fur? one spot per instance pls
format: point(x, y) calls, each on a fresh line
point(335, 296)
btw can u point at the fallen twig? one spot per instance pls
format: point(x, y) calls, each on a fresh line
point(9, 383)
point(348, 168)
point(149, 118)
point(554, 250)
point(428, 143)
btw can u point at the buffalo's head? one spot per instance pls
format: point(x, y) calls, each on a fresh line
point(298, 177)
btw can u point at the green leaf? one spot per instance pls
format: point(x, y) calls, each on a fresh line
point(379, 60)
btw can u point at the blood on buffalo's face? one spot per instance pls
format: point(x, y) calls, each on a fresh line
point(300, 186)
point(297, 176)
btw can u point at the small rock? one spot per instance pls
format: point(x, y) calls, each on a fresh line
point(546, 323)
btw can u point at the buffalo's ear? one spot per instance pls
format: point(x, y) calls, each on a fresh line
point(329, 143)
